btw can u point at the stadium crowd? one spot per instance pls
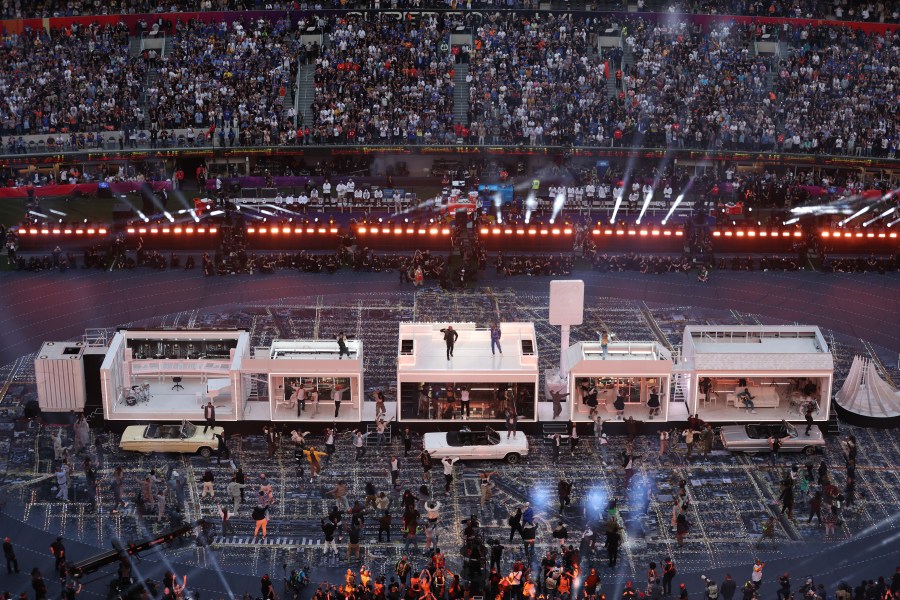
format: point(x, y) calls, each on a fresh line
point(218, 77)
point(77, 79)
point(538, 81)
point(385, 81)
point(533, 79)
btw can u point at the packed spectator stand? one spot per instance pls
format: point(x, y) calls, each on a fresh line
point(532, 78)
point(384, 81)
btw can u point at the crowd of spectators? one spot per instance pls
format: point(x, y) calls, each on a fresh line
point(537, 79)
point(385, 81)
point(216, 76)
point(77, 79)
point(837, 92)
point(694, 86)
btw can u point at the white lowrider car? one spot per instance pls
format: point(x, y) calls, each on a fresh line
point(755, 438)
point(184, 437)
point(485, 444)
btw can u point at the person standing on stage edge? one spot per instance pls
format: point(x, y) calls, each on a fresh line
point(495, 338)
point(450, 336)
point(209, 413)
point(342, 345)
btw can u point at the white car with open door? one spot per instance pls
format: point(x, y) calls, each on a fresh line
point(184, 437)
point(485, 444)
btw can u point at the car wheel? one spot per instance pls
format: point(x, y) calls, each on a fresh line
point(205, 452)
point(513, 458)
point(809, 450)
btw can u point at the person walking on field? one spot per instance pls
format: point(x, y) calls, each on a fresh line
point(668, 575)
point(261, 518)
point(448, 463)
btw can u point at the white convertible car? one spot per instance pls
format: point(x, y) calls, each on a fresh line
point(476, 445)
point(755, 438)
point(184, 437)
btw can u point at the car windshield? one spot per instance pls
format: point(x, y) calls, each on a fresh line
point(493, 438)
point(188, 430)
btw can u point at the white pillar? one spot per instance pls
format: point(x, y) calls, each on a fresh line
point(563, 346)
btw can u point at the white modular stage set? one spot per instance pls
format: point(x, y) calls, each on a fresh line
point(475, 383)
point(173, 374)
point(638, 374)
point(757, 373)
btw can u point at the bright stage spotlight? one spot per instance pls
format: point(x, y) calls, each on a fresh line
point(498, 202)
point(674, 206)
point(792, 221)
point(618, 193)
point(169, 216)
point(881, 216)
point(647, 200)
point(894, 222)
point(558, 204)
point(531, 204)
point(861, 211)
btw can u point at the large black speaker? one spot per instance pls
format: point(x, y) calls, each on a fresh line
point(460, 219)
point(32, 409)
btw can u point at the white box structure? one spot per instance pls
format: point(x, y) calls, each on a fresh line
point(431, 388)
point(631, 370)
point(784, 369)
point(170, 375)
point(59, 374)
point(294, 369)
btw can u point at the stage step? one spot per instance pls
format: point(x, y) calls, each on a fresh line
point(549, 429)
point(833, 425)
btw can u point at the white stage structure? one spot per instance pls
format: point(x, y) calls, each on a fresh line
point(294, 369)
point(866, 394)
point(60, 378)
point(171, 375)
point(782, 367)
point(430, 387)
point(632, 370)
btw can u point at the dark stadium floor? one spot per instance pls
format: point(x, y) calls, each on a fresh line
point(730, 494)
point(35, 307)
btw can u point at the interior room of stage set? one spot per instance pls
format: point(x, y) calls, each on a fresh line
point(626, 379)
point(172, 375)
point(755, 398)
point(467, 400)
point(314, 398)
point(758, 373)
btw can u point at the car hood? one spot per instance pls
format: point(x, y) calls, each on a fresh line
point(734, 433)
